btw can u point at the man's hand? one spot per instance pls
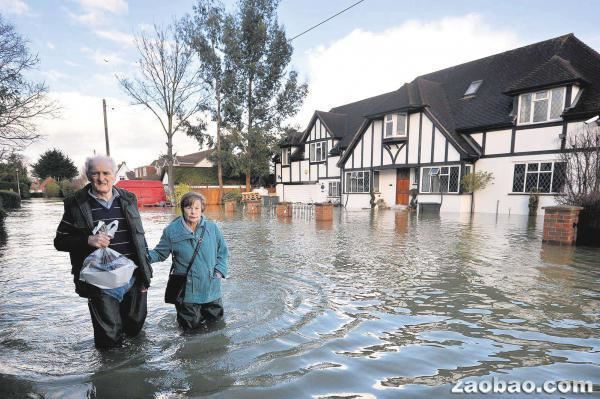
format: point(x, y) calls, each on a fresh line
point(100, 240)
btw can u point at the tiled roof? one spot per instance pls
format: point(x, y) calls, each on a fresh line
point(193, 158)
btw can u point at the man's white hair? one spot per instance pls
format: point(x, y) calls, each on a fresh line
point(90, 161)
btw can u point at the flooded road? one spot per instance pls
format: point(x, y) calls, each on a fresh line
point(383, 304)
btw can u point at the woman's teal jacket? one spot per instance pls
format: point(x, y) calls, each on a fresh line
point(202, 284)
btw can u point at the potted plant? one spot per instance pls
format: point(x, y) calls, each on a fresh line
point(413, 199)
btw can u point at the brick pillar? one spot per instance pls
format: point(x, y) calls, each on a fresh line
point(284, 210)
point(324, 211)
point(560, 224)
point(253, 207)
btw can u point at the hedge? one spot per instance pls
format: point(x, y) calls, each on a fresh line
point(9, 200)
point(10, 186)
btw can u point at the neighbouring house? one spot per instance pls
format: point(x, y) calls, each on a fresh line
point(509, 114)
point(194, 160)
point(147, 172)
point(122, 172)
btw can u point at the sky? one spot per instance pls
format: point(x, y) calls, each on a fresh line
point(373, 48)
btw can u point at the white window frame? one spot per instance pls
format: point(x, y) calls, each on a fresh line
point(319, 145)
point(438, 173)
point(473, 88)
point(333, 189)
point(526, 172)
point(285, 157)
point(393, 121)
point(536, 98)
point(359, 176)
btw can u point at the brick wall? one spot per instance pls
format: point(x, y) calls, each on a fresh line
point(560, 224)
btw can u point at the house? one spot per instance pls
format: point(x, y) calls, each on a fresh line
point(509, 114)
point(184, 165)
point(122, 172)
point(194, 160)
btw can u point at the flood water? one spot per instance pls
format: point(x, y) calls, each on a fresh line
point(374, 304)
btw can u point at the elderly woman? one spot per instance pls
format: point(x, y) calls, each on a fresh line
point(202, 296)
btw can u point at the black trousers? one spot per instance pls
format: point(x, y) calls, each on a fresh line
point(193, 315)
point(112, 320)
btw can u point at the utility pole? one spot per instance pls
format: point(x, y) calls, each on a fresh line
point(105, 128)
point(18, 185)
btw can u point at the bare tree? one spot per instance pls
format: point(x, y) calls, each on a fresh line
point(581, 160)
point(21, 101)
point(168, 83)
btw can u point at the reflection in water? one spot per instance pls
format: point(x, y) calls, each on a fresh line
point(373, 304)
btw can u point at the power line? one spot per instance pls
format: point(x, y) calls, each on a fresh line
point(328, 19)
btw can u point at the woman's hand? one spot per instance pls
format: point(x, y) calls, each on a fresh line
point(100, 240)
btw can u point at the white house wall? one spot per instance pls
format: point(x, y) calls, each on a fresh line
point(332, 167)
point(285, 174)
point(413, 141)
point(376, 130)
point(426, 135)
point(205, 163)
point(539, 139)
point(439, 154)
point(295, 172)
point(498, 142)
point(499, 191)
point(478, 138)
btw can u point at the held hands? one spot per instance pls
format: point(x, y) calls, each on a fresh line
point(100, 240)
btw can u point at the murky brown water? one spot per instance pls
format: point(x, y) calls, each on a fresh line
point(383, 305)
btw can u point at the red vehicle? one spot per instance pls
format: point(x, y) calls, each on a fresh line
point(148, 192)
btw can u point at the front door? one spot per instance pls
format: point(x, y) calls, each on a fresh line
point(402, 186)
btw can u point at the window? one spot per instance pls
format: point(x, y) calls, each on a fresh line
point(544, 177)
point(285, 156)
point(357, 182)
point(318, 151)
point(395, 125)
point(473, 87)
point(376, 181)
point(415, 176)
point(334, 189)
point(444, 179)
point(541, 106)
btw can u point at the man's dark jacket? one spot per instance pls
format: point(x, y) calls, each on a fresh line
point(76, 226)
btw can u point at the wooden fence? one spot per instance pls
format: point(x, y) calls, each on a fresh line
point(212, 193)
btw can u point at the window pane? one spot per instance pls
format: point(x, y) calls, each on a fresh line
point(557, 103)
point(367, 186)
point(312, 152)
point(319, 155)
point(544, 182)
point(425, 183)
point(347, 182)
point(401, 129)
point(546, 166)
point(558, 180)
point(532, 167)
point(444, 183)
point(389, 129)
point(444, 170)
point(540, 110)
point(531, 182)
point(519, 178)
point(453, 184)
point(376, 181)
point(324, 150)
point(435, 184)
point(525, 111)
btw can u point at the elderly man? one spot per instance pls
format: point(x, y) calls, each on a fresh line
point(112, 315)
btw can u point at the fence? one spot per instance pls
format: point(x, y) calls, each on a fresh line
point(211, 193)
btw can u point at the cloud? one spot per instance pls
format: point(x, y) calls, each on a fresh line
point(92, 18)
point(364, 64)
point(121, 38)
point(135, 134)
point(18, 7)
point(50, 45)
point(113, 6)
point(53, 75)
point(102, 57)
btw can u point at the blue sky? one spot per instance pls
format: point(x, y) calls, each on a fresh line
point(373, 48)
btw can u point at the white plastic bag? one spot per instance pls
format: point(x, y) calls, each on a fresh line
point(106, 268)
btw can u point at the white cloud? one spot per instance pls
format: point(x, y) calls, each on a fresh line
point(71, 63)
point(53, 75)
point(113, 6)
point(102, 57)
point(50, 45)
point(92, 18)
point(135, 134)
point(18, 7)
point(116, 36)
point(364, 64)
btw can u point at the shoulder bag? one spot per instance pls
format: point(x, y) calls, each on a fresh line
point(175, 291)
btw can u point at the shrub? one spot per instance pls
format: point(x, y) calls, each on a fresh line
point(9, 200)
point(180, 190)
point(235, 195)
point(52, 190)
point(67, 188)
point(12, 186)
